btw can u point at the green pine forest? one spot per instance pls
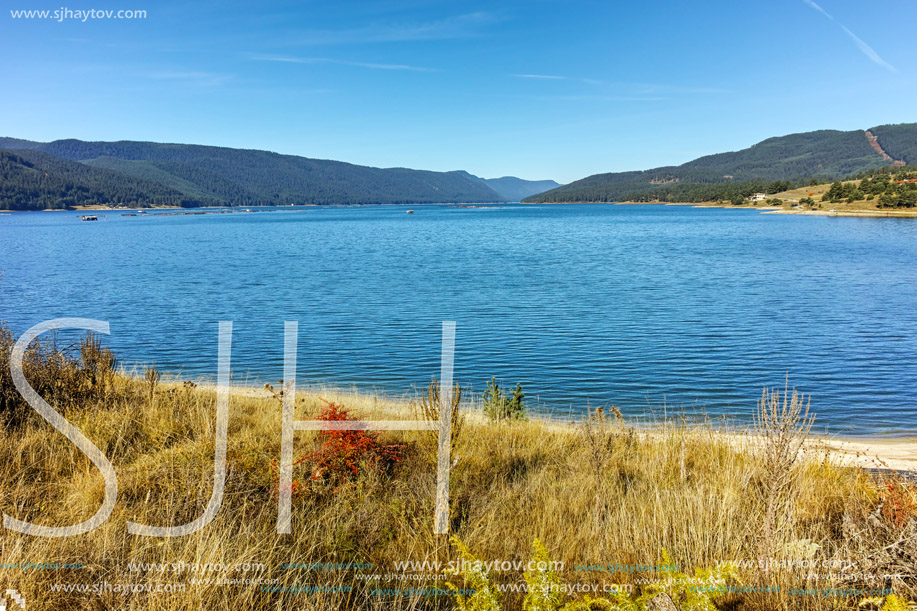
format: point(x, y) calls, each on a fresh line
point(71, 173)
point(771, 166)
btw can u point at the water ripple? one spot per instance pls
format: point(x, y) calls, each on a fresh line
point(645, 307)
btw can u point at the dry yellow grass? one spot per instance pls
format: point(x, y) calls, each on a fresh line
point(599, 493)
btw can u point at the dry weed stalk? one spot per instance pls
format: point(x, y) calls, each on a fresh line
point(784, 422)
point(151, 376)
point(427, 408)
point(600, 436)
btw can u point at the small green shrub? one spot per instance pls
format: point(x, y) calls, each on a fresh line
point(498, 405)
point(894, 603)
point(693, 593)
point(543, 585)
point(544, 588)
point(484, 597)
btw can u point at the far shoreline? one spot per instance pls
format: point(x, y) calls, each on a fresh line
point(153, 210)
point(765, 209)
point(863, 213)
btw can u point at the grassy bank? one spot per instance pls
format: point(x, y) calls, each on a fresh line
point(789, 203)
point(857, 209)
point(596, 495)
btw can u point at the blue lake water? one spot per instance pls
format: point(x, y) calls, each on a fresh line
point(650, 308)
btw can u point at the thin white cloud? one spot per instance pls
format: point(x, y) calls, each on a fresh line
point(869, 51)
point(818, 8)
point(341, 62)
point(859, 42)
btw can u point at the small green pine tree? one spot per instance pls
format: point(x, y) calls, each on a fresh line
point(499, 406)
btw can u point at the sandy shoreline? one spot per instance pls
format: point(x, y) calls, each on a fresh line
point(854, 213)
point(895, 454)
point(899, 454)
point(875, 213)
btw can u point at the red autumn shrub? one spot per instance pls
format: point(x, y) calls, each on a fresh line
point(899, 506)
point(344, 455)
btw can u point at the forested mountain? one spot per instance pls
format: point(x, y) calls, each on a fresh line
point(899, 141)
point(15, 143)
point(32, 180)
point(65, 173)
point(148, 173)
point(515, 189)
point(768, 166)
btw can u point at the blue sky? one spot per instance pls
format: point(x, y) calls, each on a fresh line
point(537, 89)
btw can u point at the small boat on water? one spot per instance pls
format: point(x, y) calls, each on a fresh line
point(89, 218)
point(410, 212)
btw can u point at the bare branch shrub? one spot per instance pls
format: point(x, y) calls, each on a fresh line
point(783, 421)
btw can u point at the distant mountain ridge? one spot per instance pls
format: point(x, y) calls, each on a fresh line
point(67, 173)
point(516, 189)
point(195, 175)
point(796, 158)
